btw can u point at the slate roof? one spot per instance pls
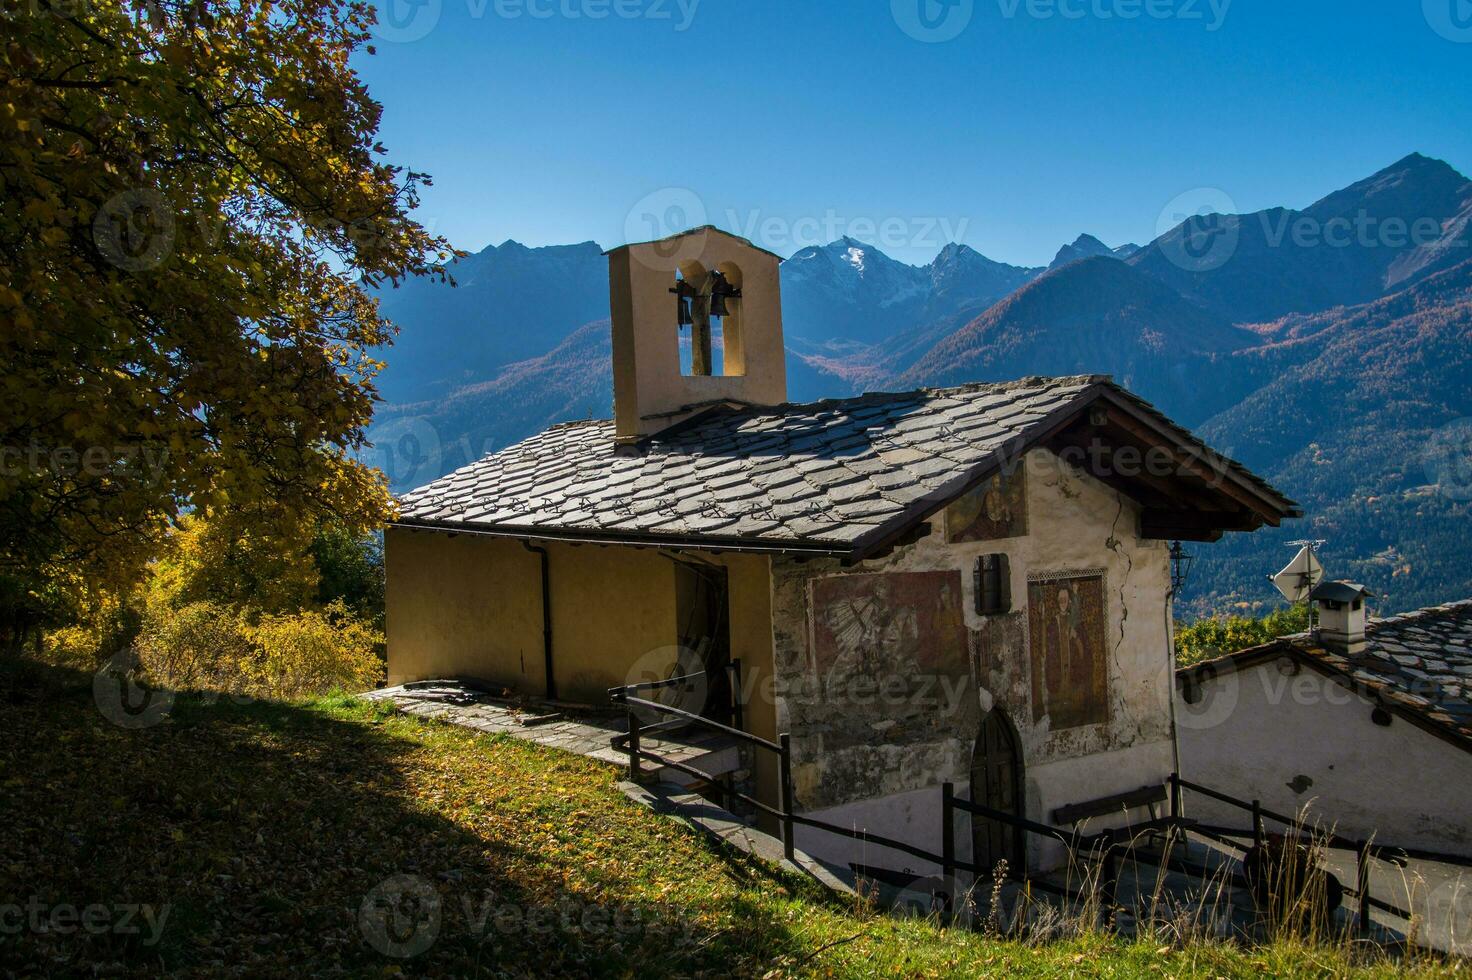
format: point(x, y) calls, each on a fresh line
point(1419, 664)
point(832, 477)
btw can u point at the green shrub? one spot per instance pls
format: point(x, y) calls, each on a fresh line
point(1218, 635)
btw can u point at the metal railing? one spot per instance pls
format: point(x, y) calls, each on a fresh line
point(1100, 848)
point(789, 820)
point(1365, 851)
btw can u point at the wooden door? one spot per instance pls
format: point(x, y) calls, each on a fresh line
point(996, 782)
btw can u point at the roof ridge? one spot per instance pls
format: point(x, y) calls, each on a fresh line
point(875, 397)
point(567, 424)
point(1415, 615)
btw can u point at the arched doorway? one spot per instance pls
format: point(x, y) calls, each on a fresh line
point(996, 782)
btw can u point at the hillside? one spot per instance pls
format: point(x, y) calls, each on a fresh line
point(1093, 315)
point(1269, 346)
point(508, 303)
point(1346, 249)
point(572, 381)
point(310, 839)
point(1358, 401)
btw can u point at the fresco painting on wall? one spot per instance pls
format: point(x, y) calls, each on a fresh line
point(1070, 673)
point(996, 509)
point(872, 625)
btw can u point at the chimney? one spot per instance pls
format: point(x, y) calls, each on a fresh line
point(1341, 615)
point(673, 291)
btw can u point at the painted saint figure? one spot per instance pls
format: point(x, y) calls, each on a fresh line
point(1070, 683)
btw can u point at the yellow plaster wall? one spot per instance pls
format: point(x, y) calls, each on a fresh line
point(462, 606)
point(610, 607)
point(470, 606)
point(749, 578)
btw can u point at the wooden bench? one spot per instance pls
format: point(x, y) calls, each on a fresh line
point(1150, 796)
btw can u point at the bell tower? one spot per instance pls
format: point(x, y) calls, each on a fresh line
point(697, 321)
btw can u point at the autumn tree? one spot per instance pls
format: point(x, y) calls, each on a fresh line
point(191, 195)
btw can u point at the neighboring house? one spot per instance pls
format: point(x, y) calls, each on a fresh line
point(1367, 727)
point(966, 584)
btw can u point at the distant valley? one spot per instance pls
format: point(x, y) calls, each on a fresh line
point(1328, 348)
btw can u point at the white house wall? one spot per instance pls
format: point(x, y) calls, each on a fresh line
point(1292, 737)
point(872, 743)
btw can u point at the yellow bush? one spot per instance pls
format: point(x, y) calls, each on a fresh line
point(311, 653)
point(200, 646)
point(102, 624)
point(79, 647)
point(208, 646)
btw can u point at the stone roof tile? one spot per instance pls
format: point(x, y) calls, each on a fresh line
point(830, 476)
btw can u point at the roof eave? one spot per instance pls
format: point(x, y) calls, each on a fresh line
point(1283, 646)
point(635, 539)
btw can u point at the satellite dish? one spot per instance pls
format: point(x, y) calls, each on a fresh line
point(1299, 576)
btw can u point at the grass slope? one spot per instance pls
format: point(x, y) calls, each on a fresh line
point(260, 829)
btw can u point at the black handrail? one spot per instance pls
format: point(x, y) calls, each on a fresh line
point(789, 819)
point(1391, 853)
point(1364, 850)
point(621, 740)
point(1074, 843)
point(700, 720)
point(1021, 823)
point(614, 692)
point(698, 774)
point(863, 835)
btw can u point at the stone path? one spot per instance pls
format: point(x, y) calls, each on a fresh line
point(588, 733)
point(582, 731)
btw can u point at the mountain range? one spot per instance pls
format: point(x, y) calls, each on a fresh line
point(1328, 348)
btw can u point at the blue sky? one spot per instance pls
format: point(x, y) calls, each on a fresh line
point(792, 121)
